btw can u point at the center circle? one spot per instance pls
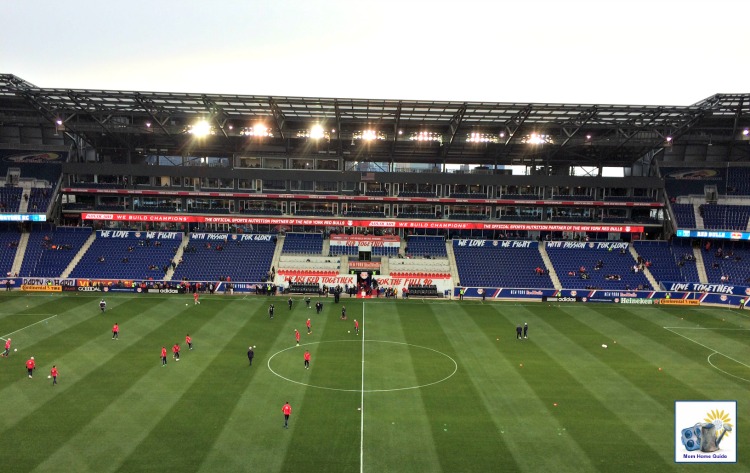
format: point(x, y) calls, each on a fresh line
point(337, 365)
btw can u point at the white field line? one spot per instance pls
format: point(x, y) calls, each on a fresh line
point(5, 337)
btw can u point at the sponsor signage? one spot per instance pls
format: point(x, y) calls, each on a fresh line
point(561, 299)
point(23, 218)
point(334, 222)
point(719, 235)
point(48, 281)
point(679, 301)
point(636, 300)
point(230, 237)
point(36, 288)
point(89, 289)
point(364, 265)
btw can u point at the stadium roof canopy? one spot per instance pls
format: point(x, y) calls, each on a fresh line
point(380, 130)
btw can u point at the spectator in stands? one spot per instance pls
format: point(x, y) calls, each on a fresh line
point(101, 259)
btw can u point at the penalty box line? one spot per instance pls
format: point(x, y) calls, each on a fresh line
point(707, 347)
point(5, 337)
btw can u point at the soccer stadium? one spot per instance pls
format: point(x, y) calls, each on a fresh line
point(535, 286)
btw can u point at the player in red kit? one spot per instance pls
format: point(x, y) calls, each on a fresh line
point(309, 327)
point(195, 299)
point(163, 356)
point(356, 327)
point(115, 332)
point(307, 360)
point(296, 335)
point(30, 366)
point(189, 341)
point(176, 351)
point(53, 373)
point(287, 411)
point(7, 348)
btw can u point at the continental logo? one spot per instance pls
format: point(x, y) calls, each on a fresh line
point(39, 288)
point(680, 302)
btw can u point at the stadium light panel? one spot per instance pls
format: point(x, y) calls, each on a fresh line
point(746, 132)
point(200, 129)
point(316, 132)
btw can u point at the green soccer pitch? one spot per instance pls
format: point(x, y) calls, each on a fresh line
point(427, 385)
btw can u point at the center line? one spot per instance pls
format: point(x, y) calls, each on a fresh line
point(362, 400)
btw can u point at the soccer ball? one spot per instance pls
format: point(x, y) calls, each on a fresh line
point(349, 331)
point(15, 349)
point(186, 303)
point(49, 376)
point(253, 346)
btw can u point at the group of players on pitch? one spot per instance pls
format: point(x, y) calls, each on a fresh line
point(308, 324)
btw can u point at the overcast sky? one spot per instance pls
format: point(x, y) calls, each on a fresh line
point(568, 51)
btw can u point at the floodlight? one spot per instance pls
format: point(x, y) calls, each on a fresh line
point(148, 124)
point(200, 129)
point(746, 132)
point(669, 139)
point(58, 122)
point(316, 132)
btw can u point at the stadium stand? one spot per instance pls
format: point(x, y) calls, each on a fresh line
point(728, 265)
point(493, 265)
point(685, 215)
point(667, 263)
point(303, 243)
point(615, 271)
point(10, 199)
point(130, 255)
point(725, 217)
point(426, 246)
point(8, 246)
point(235, 258)
point(48, 253)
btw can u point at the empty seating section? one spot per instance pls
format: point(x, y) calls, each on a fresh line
point(303, 243)
point(416, 194)
point(39, 199)
point(493, 265)
point(407, 267)
point(569, 261)
point(335, 250)
point(725, 217)
point(685, 215)
point(385, 250)
point(738, 181)
point(731, 263)
point(239, 258)
point(519, 197)
point(10, 199)
point(128, 255)
point(290, 265)
point(426, 246)
point(8, 246)
point(667, 262)
point(48, 253)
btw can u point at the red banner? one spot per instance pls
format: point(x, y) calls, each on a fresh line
point(436, 224)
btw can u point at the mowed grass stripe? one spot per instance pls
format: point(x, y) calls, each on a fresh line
point(254, 426)
point(397, 430)
point(569, 374)
point(682, 359)
point(197, 399)
point(522, 419)
point(70, 409)
point(145, 401)
point(331, 415)
point(74, 343)
point(464, 432)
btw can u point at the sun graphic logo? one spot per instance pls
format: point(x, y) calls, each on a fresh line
point(720, 420)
